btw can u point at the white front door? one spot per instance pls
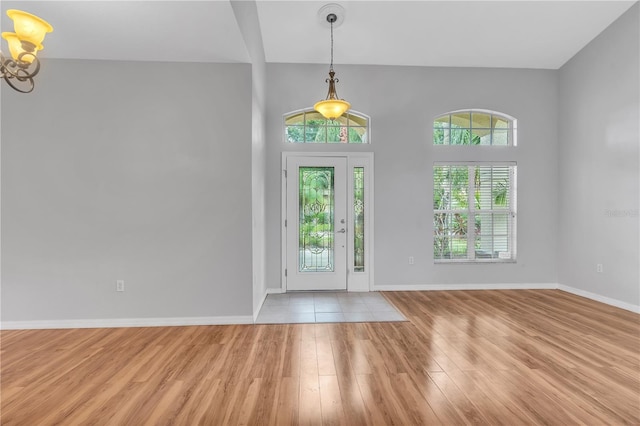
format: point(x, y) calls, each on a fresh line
point(316, 223)
point(327, 227)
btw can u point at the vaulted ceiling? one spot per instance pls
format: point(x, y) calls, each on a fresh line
point(512, 34)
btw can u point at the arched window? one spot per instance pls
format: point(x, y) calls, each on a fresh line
point(474, 127)
point(308, 126)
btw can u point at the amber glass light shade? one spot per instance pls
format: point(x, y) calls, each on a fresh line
point(28, 27)
point(332, 108)
point(16, 48)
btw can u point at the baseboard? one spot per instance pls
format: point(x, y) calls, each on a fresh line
point(248, 319)
point(519, 286)
point(598, 298)
point(126, 322)
point(440, 287)
point(257, 311)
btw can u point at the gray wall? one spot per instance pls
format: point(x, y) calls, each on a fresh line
point(153, 173)
point(402, 102)
point(134, 171)
point(246, 13)
point(599, 178)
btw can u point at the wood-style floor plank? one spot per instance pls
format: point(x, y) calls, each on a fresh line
point(463, 357)
point(310, 410)
point(331, 401)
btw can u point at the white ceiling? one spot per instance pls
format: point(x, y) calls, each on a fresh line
point(513, 34)
point(180, 31)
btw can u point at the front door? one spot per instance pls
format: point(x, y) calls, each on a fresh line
point(316, 223)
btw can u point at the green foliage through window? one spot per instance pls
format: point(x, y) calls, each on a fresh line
point(316, 209)
point(473, 211)
point(309, 126)
point(358, 219)
point(474, 127)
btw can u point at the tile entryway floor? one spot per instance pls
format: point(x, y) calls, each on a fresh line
point(323, 306)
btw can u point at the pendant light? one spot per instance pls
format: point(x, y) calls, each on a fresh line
point(332, 107)
point(19, 69)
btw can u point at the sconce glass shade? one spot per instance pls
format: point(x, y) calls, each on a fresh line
point(16, 48)
point(29, 27)
point(332, 108)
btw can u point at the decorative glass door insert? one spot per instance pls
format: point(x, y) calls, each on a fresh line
point(316, 219)
point(358, 219)
point(316, 228)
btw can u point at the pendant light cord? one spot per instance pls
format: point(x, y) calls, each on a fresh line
point(331, 18)
point(331, 66)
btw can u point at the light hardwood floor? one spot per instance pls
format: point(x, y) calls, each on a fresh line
point(477, 357)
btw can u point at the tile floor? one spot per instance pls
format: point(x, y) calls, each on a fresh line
point(322, 306)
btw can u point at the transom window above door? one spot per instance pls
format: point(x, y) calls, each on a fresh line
point(308, 126)
point(475, 127)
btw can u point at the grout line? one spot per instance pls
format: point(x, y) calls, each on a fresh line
point(283, 310)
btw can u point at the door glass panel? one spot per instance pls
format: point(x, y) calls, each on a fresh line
point(316, 241)
point(358, 219)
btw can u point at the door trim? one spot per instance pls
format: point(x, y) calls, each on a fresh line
point(337, 246)
point(356, 281)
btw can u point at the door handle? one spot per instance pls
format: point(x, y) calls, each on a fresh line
point(342, 231)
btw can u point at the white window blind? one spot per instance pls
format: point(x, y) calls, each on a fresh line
point(474, 212)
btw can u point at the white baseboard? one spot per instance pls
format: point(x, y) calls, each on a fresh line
point(533, 286)
point(598, 298)
point(249, 319)
point(257, 310)
point(126, 322)
point(440, 287)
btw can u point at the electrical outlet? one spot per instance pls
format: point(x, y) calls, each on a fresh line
point(599, 268)
point(120, 285)
point(411, 260)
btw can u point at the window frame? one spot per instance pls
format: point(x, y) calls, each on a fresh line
point(306, 111)
point(512, 133)
point(471, 212)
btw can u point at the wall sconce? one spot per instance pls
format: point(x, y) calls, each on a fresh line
point(18, 70)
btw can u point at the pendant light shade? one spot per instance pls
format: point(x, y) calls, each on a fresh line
point(332, 107)
point(16, 48)
point(29, 27)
